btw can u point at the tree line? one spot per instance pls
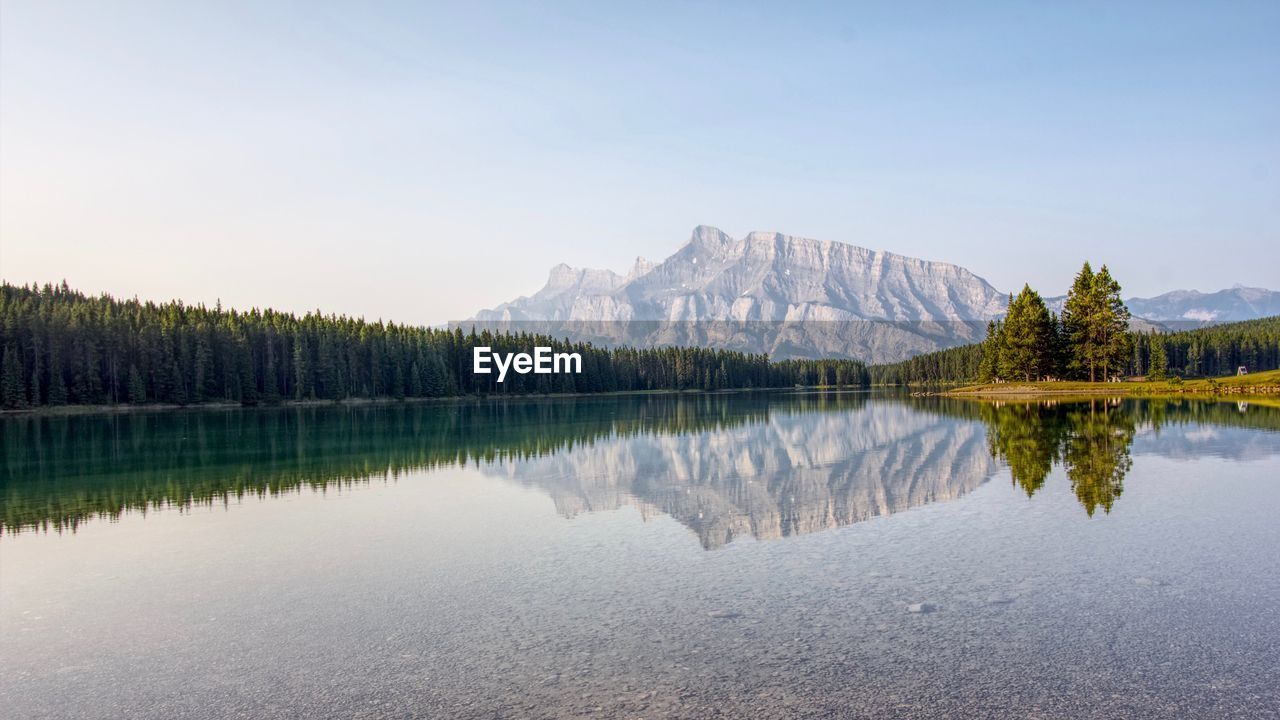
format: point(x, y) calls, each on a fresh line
point(1202, 352)
point(59, 346)
point(1089, 341)
point(1208, 351)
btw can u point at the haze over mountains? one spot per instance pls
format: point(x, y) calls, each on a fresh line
point(1233, 304)
point(1181, 309)
point(796, 297)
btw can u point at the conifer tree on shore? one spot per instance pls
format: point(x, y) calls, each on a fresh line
point(1112, 323)
point(1095, 322)
point(1027, 347)
point(989, 367)
point(1078, 314)
point(13, 392)
point(1159, 358)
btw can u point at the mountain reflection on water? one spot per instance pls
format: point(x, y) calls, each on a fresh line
point(765, 464)
point(786, 472)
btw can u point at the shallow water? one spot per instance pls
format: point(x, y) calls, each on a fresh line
point(737, 555)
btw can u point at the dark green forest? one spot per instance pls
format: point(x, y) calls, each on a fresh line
point(1202, 352)
point(953, 365)
point(1089, 340)
point(1211, 351)
point(63, 347)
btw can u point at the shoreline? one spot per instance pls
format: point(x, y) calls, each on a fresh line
point(1257, 385)
point(223, 405)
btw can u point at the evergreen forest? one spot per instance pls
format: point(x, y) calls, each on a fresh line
point(1090, 340)
point(63, 347)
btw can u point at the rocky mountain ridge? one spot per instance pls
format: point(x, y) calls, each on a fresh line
point(790, 296)
point(1192, 306)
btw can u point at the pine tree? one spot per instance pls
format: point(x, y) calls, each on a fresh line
point(57, 385)
point(1078, 320)
point(1112, 324)
point(437, 378)
point(1159, 358)
point(302, 387)
point(1028, 340)
point(137, 388)
point(201, 384)
point(34, 379)
point(1096, 324)
point(270, 382)
point(177, 384)
point(1061, 350)
point(1195, 353)
point(989, 369)
point(13, 391)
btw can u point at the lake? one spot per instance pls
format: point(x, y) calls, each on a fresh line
point(768, 554)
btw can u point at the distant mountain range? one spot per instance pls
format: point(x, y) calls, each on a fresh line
point(1231, 305)
point(1181, 309)
point(796, 297)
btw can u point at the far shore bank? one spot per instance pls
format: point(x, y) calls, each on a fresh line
point(127, 408)
point(1257, 384)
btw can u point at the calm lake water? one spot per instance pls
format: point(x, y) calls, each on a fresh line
point(739, 555)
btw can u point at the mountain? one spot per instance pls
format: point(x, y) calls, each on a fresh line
point(764, 276)
point(794, 297)
point(1231, 305)
point(767, 292)
point(1179, 309)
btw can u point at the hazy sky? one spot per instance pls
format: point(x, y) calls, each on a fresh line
point(417, 163)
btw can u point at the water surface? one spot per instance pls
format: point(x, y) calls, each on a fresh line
point(735, 555)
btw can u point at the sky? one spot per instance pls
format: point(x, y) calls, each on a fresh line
point(417, 162)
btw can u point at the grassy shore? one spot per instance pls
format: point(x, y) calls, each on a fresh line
point(1262, 383)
